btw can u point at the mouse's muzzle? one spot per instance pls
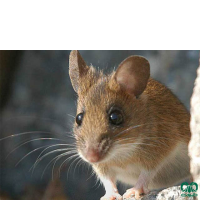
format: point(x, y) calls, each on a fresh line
point(93, 154)
point(96, 151)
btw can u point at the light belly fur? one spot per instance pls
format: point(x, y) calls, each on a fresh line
point(173, 170)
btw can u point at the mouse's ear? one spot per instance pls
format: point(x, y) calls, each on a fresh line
point(133, 74)
point(77, 68)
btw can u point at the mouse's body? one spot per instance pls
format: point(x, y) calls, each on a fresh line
point(129, 127)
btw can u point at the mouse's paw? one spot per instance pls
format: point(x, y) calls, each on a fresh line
point(135, 192)
point(115, 196)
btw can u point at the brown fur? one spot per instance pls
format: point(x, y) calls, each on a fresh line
point(163, 118)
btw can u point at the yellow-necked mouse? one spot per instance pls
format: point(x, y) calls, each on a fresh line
point(129, 127)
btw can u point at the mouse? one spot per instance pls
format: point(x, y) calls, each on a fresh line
point(129, 127)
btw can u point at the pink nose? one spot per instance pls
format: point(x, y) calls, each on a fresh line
point(92, 155)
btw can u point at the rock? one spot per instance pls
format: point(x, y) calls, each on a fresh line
point(172, 193)
point(194, 146)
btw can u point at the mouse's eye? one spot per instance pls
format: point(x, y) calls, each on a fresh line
point(79, 118)
point(116, 117)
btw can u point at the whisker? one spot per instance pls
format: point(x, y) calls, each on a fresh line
point(126, 148)
point(92, 174)
point(71, 145)
point(29, 154)
point(140, 125)
point(80, 160)
point(71, 116)
point(147, 138)
point(24, 133)
point(32, 141)
point(66, 161)
point(59, 157)
point(63, 154)
point(97, 182)
point(36, 117)
point(54, 145)
point(69, 136)
point(71, 164)
point(129, 142)
point(51, 152)
point(128, 129)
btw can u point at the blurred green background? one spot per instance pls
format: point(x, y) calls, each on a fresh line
point(37, 97)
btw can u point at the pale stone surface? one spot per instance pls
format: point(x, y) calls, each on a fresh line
point(194, 146)
point(172, 193)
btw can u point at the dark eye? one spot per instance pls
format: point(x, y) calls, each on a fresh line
point(79, 118)
point(116, 117)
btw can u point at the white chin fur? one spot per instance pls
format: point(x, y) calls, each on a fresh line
point(116, 152)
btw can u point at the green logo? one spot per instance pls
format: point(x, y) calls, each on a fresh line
point(189, 190)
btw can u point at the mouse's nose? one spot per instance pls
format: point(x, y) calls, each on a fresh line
point(93, 155)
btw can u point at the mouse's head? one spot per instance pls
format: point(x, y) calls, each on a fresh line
point(107, 106)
